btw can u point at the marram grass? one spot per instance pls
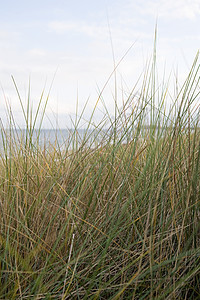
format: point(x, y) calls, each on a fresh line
point(119, 219)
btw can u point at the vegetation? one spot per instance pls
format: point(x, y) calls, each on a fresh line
point(115, 219)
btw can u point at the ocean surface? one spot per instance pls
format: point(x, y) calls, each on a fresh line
point(63, 139)
point(48, 138)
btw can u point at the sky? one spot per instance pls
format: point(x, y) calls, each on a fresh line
point(68, 46)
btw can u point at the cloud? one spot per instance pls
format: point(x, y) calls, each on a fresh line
point(90, 30)
point(170, 9)
point(36, 52)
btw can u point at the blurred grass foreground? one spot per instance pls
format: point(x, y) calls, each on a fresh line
point(114, 214)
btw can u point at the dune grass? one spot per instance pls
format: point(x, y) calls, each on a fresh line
point(119, 219)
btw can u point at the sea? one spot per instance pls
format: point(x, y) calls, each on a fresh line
point(62, 139)
point(51, 138)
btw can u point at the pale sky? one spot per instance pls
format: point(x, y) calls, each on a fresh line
point(72, 39)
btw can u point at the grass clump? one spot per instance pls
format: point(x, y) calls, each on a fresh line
point(118, 219)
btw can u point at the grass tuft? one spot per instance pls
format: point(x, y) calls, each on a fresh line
point(115, 214)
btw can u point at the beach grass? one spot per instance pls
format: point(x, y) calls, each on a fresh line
point(115, 219)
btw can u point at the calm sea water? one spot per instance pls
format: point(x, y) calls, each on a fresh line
point(47, 138)
point(60, 139)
